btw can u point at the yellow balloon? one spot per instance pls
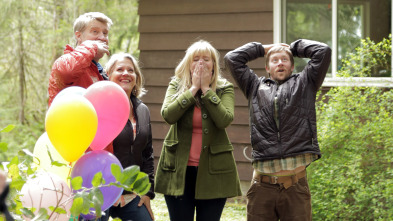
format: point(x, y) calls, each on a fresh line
point(71, 123)
point(41, 149)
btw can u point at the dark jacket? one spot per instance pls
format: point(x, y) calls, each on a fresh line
point(139, 151)
point(217, 174)
point(297, 131)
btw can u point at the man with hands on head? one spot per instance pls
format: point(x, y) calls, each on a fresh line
point(79, 66)
point(282, 125)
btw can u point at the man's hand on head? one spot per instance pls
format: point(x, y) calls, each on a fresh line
point(269, 46)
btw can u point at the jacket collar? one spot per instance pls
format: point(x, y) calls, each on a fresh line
point(68, 49)
point(135, 101)
point(271, 81)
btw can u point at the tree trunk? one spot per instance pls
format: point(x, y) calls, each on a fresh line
point(22, 78)
point(58, 15)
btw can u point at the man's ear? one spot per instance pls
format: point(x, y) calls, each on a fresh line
point(267, 71)
point(78, 36)
point(292, 68)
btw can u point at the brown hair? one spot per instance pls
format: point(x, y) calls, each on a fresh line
point(276, 49)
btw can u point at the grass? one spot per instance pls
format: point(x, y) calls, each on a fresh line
point(234, 210)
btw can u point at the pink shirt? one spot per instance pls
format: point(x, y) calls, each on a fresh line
point(196, 142)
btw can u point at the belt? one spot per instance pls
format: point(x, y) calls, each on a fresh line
point(285, 181)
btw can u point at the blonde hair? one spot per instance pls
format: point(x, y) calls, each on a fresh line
point(138, 90)
point(83, 20)
point(182, 71)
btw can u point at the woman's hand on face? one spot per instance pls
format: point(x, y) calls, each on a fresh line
point(206, 78)
point(196, 79)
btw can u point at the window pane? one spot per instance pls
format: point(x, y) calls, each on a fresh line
point(359, 20)
point(349, 28)
point(380, 28)
point(356, 20)
point(310, 19)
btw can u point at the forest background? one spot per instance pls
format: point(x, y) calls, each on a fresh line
point(352, 181)
point(34, 33)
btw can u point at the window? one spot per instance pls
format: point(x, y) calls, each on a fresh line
point(339, 23)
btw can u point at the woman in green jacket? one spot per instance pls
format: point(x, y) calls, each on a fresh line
point(197, 169)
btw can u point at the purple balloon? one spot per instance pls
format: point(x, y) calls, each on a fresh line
point(88, 216)
point(90, 164)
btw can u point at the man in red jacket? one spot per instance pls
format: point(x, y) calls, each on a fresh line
point(79, 66)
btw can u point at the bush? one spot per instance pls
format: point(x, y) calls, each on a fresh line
point(369, 60)
point(354, 178)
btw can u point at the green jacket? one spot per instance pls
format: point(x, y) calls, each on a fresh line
point(217, 173)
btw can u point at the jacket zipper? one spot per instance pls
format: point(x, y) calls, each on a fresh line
point(277, 116)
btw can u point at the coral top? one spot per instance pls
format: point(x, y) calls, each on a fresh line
point(196, 142)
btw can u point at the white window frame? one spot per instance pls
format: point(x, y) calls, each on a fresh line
point(279, 31)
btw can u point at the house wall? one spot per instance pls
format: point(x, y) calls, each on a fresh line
point(168, 27)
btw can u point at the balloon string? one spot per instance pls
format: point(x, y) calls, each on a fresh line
point(69, 174)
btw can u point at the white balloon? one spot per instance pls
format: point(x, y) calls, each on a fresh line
point(45, 190)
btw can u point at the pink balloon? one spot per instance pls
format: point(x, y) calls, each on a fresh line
point(113, 109)
point(45, 190)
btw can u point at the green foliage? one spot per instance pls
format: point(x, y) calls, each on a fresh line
point(131, 179)
point(7, 128)
point(354, 178)
point(21, 168)
point(369, 60)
